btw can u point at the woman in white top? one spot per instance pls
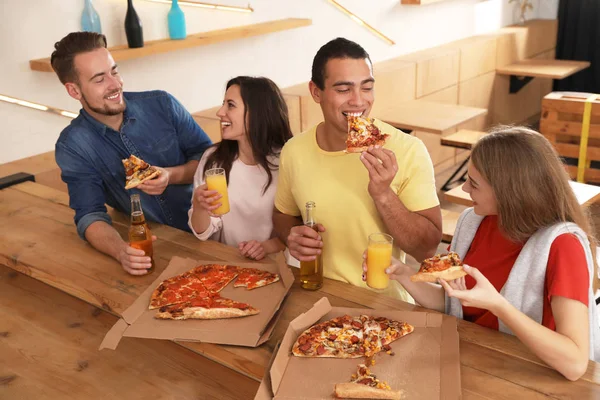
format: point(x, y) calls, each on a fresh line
point(254, 128)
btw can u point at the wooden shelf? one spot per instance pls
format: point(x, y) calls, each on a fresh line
point(122, 52)
point(554, 69)
point(418, 2)
point(427, 116)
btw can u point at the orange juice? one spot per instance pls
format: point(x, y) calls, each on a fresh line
point(215, 180)
point(379, 257)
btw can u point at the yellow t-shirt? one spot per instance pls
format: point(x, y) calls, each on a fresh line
point(337, 183)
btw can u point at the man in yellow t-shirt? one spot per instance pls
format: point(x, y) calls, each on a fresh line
point(387, 189)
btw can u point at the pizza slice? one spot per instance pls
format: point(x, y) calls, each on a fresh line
point(177, 289)
point(214, 307)
point(138, 171)
point(215, 276)
point(252, 278)
point(362, 133)
point(447, 267)
point(365, 385)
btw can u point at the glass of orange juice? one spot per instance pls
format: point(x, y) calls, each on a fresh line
point(216, 180)
point(379, 257)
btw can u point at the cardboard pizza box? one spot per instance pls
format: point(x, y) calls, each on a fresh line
point(138, 320)
point(426, 364)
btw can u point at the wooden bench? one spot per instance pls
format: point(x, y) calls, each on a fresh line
point(463, 139)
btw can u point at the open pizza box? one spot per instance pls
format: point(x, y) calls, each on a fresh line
point(426, 364)
point(138, 321)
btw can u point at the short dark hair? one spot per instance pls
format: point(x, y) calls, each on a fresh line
point(65, 51)
point(336, 48)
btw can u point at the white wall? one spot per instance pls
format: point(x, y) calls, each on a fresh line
point(29, 29)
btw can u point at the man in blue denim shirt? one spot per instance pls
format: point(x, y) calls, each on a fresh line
point(112, 125)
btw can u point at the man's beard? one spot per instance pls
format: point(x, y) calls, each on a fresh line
point(106, 110)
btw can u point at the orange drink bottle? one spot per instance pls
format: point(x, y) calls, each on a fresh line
point(379, 257)
point(140, 236)
point(216, 180)
point(311, 272)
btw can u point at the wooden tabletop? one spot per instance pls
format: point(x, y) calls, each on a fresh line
point(39, 239)
point(427, 116)
point(538, 68)
point(586, 194)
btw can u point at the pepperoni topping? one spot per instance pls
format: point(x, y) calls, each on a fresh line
point(383, 326)
point(332, 337)
point(320, 349)
point(357, 325)
point(387, 347)
point(354, 339)
point(305, 347)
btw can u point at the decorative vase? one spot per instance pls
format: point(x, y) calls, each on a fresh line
point(133, 27)
point(90, 20)
point(176, 20)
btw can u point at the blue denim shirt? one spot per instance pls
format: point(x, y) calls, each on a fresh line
point(156, 128)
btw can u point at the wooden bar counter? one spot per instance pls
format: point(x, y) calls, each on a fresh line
point(50, 339)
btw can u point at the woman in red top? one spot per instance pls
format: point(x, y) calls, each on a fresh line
point(519, 186)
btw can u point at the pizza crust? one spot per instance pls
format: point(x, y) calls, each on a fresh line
point(207, 313)
point(448, 275)
point(358, 391)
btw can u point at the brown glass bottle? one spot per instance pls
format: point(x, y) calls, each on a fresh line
point(140, 236)
point(311, 272)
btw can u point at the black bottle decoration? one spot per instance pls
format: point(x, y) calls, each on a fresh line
point(133, 27)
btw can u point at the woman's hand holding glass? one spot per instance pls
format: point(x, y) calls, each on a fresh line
point(206, 199)
point(397, 269)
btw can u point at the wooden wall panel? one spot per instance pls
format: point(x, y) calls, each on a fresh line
point(515, 108)
point(437, 69)
point(477, 56)
point(310, 112)
point(294, 112)
point(438, 153)
point(517, 42)
point(478, 92)
point(394, 81)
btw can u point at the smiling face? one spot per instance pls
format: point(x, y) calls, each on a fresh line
point(100, 87)
point(481, 192)
point(231, 113)
point(348, 90)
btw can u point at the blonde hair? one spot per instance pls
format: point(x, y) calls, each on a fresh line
point(530, 184)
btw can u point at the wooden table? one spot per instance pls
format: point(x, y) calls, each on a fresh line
point(38, 239)
point(586, 194)
point(427, 116)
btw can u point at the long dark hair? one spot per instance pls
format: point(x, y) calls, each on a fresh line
point(268, 126)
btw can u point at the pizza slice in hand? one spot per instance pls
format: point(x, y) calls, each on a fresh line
point(138, 171)
point(447, 267)
point(362, 133)
point(365, 385)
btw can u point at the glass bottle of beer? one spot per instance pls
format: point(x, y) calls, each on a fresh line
point(140, 236)
point(311, 272)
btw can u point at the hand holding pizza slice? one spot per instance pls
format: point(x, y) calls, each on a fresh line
point(138, 171)
point(362, 133)
point(447, 267)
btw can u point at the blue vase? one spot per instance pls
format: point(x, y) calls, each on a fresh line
point(90, 20)
point(176, 20)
